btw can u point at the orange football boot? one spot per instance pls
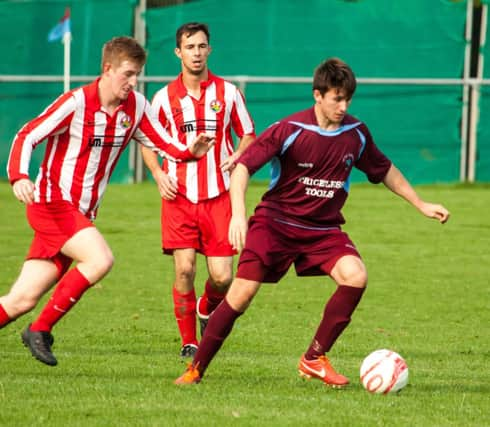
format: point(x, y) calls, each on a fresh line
point(322, 369)
point(190, 376)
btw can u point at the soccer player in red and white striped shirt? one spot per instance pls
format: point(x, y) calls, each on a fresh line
point(86, 130)
point(195, 200)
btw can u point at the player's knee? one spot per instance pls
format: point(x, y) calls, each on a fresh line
point(359, 279)
point(102, 264)
point(356, 277)
point(21, 305)
point(350, 271)
point(222, 281)
point(185, 273)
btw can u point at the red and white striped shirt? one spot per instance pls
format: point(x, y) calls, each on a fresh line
point(84, 145)
point(220, 108)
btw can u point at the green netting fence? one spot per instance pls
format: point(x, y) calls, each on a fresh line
point(417, 126)
point(24, 28)
point(482, 160)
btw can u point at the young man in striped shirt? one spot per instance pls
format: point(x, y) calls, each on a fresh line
point(195, 201)
point(86, 129)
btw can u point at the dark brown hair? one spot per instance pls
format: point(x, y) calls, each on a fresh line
point(190, 29)
point(334, 74)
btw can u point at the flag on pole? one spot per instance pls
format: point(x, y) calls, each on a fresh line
point(61, 28)
point(62, 31)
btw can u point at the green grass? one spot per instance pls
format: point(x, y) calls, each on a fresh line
point(428, 299)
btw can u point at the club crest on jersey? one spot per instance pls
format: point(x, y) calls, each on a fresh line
point(348, 160)
point(125, 121)
point(216, 106)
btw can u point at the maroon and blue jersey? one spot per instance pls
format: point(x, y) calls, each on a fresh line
point(310, 168)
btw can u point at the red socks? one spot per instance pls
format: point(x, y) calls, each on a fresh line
point(336, 317)
point(185, 310)
point(210, 299)
point(4, 317)
point(185, 314)
point(66, 294)
point(219, 327)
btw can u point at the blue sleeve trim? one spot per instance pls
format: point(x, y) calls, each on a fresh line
point(276, 163)
point(363, 143)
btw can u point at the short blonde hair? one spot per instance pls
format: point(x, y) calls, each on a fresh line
point(119, 49)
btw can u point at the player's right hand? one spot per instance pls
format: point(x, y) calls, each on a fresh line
point(167, 186)
point(24, 190)
point(202, 144)
point(237, 232)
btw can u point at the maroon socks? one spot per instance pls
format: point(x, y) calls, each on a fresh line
point(210, 299)
point(219, 327)
point(336, 317)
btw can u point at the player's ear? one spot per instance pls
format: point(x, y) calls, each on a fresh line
point(106, 67)
point(178, 53)
point(317, 95)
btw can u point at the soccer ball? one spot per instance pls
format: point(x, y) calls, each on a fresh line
point(384, 371)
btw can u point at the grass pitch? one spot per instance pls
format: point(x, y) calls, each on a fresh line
point(428, 299)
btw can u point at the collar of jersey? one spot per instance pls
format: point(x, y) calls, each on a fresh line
point(182, 90)
point(324, 132)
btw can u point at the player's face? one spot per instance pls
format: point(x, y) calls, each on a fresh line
point(193, 52)
point(123, 78)
point(332, 106)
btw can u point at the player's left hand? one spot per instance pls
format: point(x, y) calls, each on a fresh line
point(202, 144)
point(435, 211)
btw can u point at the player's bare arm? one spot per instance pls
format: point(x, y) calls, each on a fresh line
point(397, 183)
point(238, 223)
point(167, 186)
point(229, 163)
point(24, 190)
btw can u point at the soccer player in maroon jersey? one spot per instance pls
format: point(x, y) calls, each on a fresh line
point(86, 130)
point(299, 220)
point(196, 208)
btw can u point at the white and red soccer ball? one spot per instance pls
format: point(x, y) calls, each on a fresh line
point(384, 371)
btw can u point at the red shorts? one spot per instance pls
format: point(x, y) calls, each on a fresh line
point(54, 224)
point(271, 247)
point(202, 226)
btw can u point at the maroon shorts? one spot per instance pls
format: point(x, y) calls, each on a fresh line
point(202, 226)
point(271, 247)
point(54, 224)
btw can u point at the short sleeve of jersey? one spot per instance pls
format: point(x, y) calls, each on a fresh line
point(268, 144)
point(241, 121)
point(371, 160)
